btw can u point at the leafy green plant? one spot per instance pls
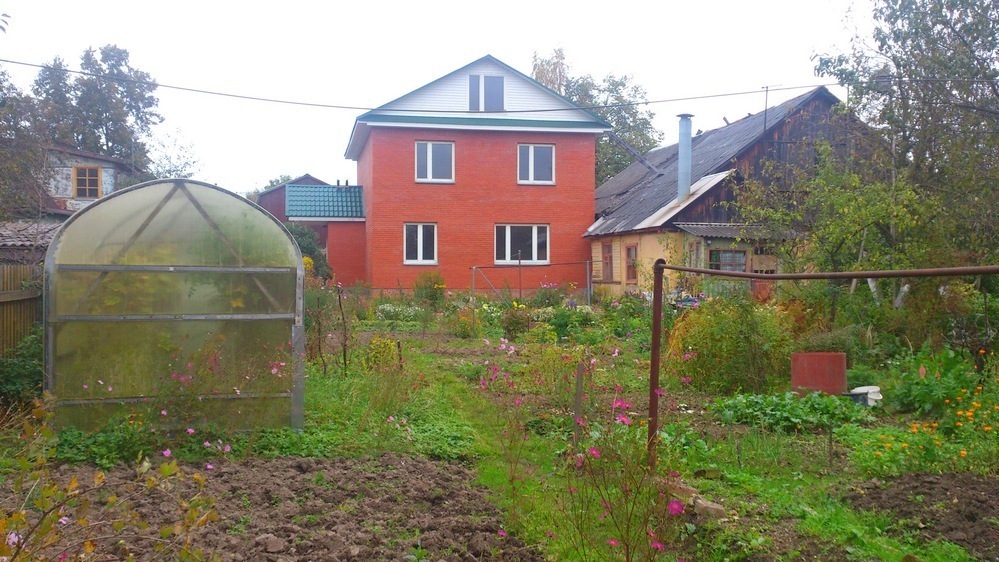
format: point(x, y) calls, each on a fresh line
point(731, 344)
point(23, 370)
point(431, 290)
point(515, 321)
point(925, 382)
point(788, 412)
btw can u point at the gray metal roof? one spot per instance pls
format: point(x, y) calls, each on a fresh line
point(23, 234)
point(635, 194)
point(721, 230)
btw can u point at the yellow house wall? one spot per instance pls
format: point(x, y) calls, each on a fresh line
point(675, 247)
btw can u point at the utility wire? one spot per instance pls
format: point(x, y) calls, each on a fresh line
point(462, 112)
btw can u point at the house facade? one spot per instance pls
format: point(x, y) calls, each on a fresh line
point(484, 167)
point(80, 177)
point(674, 204)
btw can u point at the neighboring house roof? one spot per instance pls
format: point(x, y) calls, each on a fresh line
point(443, 104)
point(118, 162)
point(722, 230)
point(25, 242)
point(637, 197)
point(301, 180)
point(329, 202)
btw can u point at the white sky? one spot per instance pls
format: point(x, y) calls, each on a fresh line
point(368, 52)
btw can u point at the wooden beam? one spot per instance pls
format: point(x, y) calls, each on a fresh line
point(9, 296)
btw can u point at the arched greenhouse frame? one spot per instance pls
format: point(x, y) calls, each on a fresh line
point(179, 301)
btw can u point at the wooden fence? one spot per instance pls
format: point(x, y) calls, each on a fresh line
point(20, 303)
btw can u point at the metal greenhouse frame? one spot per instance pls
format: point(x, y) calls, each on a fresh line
point(179, 299)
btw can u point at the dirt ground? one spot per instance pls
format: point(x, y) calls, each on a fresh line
point(393, 507)
point(961, 508)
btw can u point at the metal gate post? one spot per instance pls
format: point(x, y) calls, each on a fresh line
point(657, 335)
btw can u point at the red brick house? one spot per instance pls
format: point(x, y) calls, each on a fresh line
point(482, 167)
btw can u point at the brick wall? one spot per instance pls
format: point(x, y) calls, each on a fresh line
point(485, 193)
point(345, 250)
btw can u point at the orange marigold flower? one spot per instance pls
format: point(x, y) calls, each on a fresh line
point(987, 428)
point(964, 453)
point(958, 424)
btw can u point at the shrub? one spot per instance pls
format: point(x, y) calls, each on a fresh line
point(22, 373)
point(515, 321)
point(430, 289)
point(308, 242)
point(926, 382)
point(731, 344)
point(568, 321)
point(550, 294)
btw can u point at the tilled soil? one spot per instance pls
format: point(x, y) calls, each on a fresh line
point(393, 507)
point(959, 507)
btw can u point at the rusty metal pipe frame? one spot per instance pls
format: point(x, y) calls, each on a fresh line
point(657, 312)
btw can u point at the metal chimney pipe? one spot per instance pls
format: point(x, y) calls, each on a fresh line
point(683, 159)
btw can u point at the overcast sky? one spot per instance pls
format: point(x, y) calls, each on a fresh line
point(366, 53)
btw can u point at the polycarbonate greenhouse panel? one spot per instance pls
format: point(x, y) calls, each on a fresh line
point(177, 303)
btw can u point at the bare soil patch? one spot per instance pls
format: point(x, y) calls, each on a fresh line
point(384, 508)
point(957, 507)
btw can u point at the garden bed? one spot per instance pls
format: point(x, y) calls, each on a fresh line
point(382, 508)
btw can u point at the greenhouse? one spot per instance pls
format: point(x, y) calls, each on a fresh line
point(177, 300)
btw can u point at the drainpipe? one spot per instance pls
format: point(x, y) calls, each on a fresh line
point(683, 159)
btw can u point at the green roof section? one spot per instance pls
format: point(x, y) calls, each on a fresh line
point(324, 201)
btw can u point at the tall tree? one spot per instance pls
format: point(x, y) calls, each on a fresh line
point(23, 170)
point(930, 83)
point(615, 99)
point(109, 109)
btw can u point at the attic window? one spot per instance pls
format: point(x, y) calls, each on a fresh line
point(485, 93)
point(87, 182)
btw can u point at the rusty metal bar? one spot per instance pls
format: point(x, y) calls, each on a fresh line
point(657, 313)
point(931, 272)
point(657, 329)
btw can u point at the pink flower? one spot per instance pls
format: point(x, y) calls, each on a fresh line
point(686, 380)
point(502, 346)
point(227, 448)
point(580, 421)
point(660, 392)
point(190, 431)
point(485, 341)
point(595, 452)
point(207, 444)
point(166, 452)
point(85, 387)
point(621, 418)
point(64, 520)
point(615, 352)
point(209, 466)
point(612, 542)
point(657, 545)
point(501, 533)
point(163, 412)
point(674, 507)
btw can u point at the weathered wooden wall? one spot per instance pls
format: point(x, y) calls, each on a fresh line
point(20, 303)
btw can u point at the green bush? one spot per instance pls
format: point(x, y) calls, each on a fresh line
point(569, 321)
point(308, 242)
point(430, 289)
point(550, 294)
point(731, 344)
point(515, 321)
point(22, 373)
point(925, 382)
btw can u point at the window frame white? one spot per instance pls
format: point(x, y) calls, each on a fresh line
point(480, 99)
point(419, 243)
point(530, 165)
point(510, 260)
point(429, 155)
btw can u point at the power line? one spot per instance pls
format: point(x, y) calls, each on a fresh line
point(363, 108)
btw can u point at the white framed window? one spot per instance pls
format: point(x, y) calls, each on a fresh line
point(536, 164)
point(435, 162)
point(521, 243)
point(419, 243)
point(485, 93)
point(727, 260)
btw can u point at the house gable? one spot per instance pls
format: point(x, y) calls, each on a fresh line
point(100, 175)
point(447, 103)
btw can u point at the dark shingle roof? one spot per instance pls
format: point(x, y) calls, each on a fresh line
point(21, 234)
point(720, 230)
point(324, 201)
point(636, 193)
